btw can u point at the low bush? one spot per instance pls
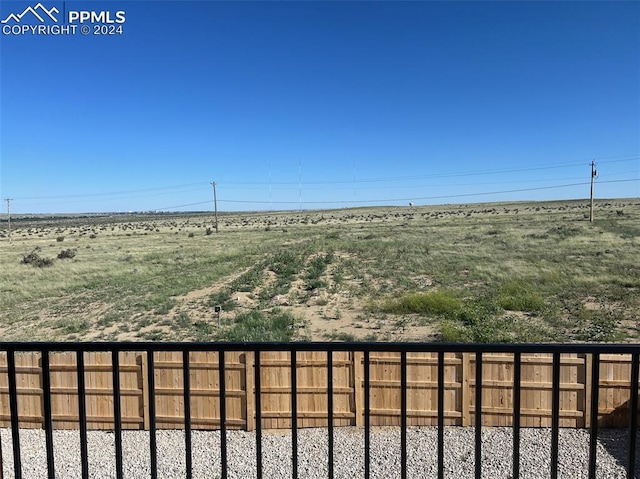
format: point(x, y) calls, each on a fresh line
point(36, 260)
point(66, 254)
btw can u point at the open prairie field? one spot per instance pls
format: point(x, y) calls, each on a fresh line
point(526, 272)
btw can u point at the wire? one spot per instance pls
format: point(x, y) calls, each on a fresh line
point(113, 193)
point(428, 197)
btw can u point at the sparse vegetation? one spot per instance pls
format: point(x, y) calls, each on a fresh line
point(34, 259)
point(258, 326)
point(499, 272)
point(66, 254)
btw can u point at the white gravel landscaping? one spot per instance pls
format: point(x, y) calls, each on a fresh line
point(312, 456)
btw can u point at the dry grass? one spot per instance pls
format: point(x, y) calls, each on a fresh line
point(491, 272)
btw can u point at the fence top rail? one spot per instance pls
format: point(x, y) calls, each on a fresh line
point(321, 347)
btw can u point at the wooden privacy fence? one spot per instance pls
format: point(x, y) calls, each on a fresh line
point(497, 392)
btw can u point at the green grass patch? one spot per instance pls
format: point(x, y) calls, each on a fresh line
point(520, 295)
point(440, 303)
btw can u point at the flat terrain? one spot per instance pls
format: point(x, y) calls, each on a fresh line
point(475, 272)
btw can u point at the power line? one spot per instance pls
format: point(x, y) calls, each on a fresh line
point(429, 176)
point(113, 193)
point(463, 195)
point(203, 185)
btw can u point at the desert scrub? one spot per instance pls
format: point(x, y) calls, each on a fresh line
point(249, 280)
point(286, 265)
point(261, 326)
point(34, 259)
point(315, 269)
point(223, 299)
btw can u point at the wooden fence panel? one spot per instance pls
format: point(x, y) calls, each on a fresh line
point(615, 391)
point(64, 390)
point(275, 379)
point(29, 390)
point(536, 387)
point(204, 391)
point(422, 389)
point(312, 387)
point(348, 372)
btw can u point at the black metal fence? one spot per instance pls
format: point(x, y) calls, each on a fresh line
point(366, 348)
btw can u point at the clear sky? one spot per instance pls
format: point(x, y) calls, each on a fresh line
point(289, 105)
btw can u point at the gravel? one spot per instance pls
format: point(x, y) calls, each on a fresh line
point(459, 462)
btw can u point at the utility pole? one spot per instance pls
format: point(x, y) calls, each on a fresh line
point(215, 204)
point(9, 216)
point(300, 183)
point(594, 174)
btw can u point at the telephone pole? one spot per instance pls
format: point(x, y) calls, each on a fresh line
point(215, 204)
point(594, 173)
point(9, 216)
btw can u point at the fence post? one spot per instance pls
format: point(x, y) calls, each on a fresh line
point(142, 361)
point(588, 366)
point(357, 372)
point(464, 393)
point(249, 390)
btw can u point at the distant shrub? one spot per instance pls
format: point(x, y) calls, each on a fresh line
point(209, 232)
point(36, 260)
point(191, 235)
point(564, 231)
point(66, 253)
point(93, 236)
point(60, 239)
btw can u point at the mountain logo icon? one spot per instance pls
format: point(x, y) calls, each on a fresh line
point(39, 11)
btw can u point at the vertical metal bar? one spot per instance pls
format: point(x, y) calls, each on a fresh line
point(153, 452)
point(478, 418)
point(82, 414)
point(15, 420)
point(367, 417)
point(117, 416)
point(440, 414)
point(330, 410)
point(633, 420)
point(555, 415)
point(48, 421)
point(294, 414)
point(593, 434)
point(403, 415)
point(186, 384)
point(517, 380)
point(258, 415)
point(223, 414)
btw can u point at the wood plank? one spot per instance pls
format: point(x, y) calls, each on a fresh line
point(357, 383)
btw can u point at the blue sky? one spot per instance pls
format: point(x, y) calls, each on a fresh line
point(289, 105)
